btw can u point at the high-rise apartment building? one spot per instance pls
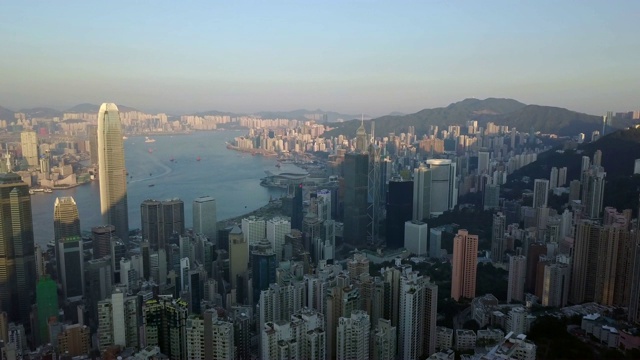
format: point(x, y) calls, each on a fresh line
point(209, 337)
point(92, 134)
point(555, 289)
point(498, 237)
point(238, 257)
point(165, 324)
point(417, 315)
point(540, 193)
point(517, 276)
point(29, 144)
point(491, 197)
point(69, 247)
point(465, 263)
point(593, 183)
point(483, 162)
point(74, 340)
point(277, 228)
point(384, 339)
point(356, 219)
point(553, 178)
point(614, 266)
point(300, 337)
point(353, 336)
point(17, 258)
point(585, 262)
point(118, 321)
point(254, 229)
point(205, 218)
point(112, 171)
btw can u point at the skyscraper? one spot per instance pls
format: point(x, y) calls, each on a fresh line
point(593, 183)
point(17, 258)
point(151, 223)
point(172, 218)
point(102, 236)
point(296, 209)
point(353, 336)
point(517, 276)
point(238, 257)
point(399, 211)
point(92, 134)
point(205, 219)
point(540, 193)
point(464, 263)
point(112, 171)
point(69, 247)
point(497, 237)
point(356, 176)
point(483, 162)
point(585, 262)
point(277, 228)
point(29, 144)
point(47, 302)
point(435, 188)
point(263, 268)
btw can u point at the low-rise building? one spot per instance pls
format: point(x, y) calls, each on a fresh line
point(444, 339)
point(465, 339)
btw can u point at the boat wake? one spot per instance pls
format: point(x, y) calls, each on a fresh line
point(167, 171)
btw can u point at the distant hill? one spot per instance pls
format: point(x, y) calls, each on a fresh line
point(6, 114)
point(299, 114)
point(545, 119)
point(41, 112)
point(456, 113)
point(93, 108)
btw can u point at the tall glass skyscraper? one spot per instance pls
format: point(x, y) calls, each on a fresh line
point(204, 217)
point(17, 251)
point(112, 172)
point(69, 247)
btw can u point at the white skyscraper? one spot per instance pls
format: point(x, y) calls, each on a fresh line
point(253, 229)
point(29, 144)
point(517, 275)
point(118, 321)
point(435, 188)
point(205, 218)
point(540, 193)
point(353, 336)
point(415, 237)
point(112, 171)
point(277, 228)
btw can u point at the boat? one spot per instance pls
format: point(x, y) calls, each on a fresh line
point(124, 138)
point(149, 140)
point(172, 159)
point(152, 185)
point(31, 192)
point(48, 191)
point(278, 165)
point(150, 150)
point(198, 158)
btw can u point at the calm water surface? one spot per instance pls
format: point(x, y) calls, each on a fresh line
point(229, 176)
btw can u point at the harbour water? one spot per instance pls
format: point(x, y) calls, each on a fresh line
point(179, 166)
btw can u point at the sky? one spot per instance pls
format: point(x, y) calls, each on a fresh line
point(354, 57)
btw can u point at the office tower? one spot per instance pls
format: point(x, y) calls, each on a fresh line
point(17, 258)
point(164, 325)
point(517, 276)
point(172, 218)
point(118, 321)
point(151, 223)
point(585, 262)
point(435, 242)
point(553, 178)
point(205, 220)
point(112, 171)
point(634, 278)
point(324, 204)
point(300, 337)
point(435, 188)
point(117, 253)
point(498, 237)
point(361, 138)
point(399, 211)
point(356, 167)
point(491, 197)
point(483, 162)
point(353, 336)
point(555, 290)
point(47, 303)
point(415, 237)
point(238, 257)
point(40, 263)
point(384, 341)
point(263, 268)
point(593, 183)
point(296, 208)
point(464, 263)
point(585, 164)
point(92, 134)
point(145, 251)
point(209, 337)
point(69, 247)
point(277, 228)
point(74, 340)
point(29, 144)
point(540, 193)
point(253, 229)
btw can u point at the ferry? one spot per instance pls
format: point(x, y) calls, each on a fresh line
point(124, 138)
point(198, 158)
point(149, 140)
point(152, 185)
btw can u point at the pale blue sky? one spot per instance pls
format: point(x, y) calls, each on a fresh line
point(350, 56)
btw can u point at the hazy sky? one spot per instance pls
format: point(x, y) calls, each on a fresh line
point(350, 56)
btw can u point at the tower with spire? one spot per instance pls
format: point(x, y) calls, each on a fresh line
point(361, 138)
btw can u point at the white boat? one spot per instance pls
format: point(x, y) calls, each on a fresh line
point(124, 138)
point(149, 140)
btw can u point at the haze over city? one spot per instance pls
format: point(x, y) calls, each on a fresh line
point(358, 56)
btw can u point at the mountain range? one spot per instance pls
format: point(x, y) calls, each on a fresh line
point(546, 119)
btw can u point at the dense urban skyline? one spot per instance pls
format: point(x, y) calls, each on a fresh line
point(353, 57)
